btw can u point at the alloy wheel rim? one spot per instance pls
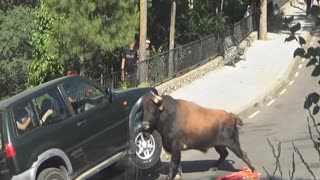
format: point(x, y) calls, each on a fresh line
point(145, 144)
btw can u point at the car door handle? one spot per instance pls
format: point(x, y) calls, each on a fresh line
point(82, 123)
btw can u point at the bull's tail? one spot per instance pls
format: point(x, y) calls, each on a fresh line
point(237, 119)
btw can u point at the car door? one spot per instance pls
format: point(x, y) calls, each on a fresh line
point(101, 119)
point(60, 129)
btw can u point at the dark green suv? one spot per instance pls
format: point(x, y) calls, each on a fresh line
point(71, 128)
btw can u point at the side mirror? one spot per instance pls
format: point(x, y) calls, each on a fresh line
point(109, 94)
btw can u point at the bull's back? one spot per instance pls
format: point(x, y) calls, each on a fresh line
point(197, 120)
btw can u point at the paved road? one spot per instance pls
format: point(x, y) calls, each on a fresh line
point(283, 119)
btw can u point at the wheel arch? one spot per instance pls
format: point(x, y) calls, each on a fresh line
point(53, 158)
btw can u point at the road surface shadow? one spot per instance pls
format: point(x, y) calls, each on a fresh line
point(199, 166)
point(124, 170)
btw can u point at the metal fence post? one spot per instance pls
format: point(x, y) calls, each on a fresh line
point(112, 79)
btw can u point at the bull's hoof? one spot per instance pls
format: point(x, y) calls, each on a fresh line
point(212, 169)
point(178, 176)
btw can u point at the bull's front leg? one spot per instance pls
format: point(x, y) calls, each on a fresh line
point(175, 161)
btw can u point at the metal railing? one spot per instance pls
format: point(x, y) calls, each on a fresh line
point(188, 56)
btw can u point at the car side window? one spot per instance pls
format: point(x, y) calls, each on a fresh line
point(24, 117)
point(51, 107)
point(83, 96)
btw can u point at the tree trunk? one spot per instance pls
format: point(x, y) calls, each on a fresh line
point(263, 20)
point(81, 60)
point(221, 5)
point(82, 67)
point(171, 38)
point(142, 68)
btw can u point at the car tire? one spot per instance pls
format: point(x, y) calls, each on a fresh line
point(52, 173)
point(148, 149)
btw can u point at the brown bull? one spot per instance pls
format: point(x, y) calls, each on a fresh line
point(185, 125)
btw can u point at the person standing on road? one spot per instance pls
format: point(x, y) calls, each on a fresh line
point(129, 62)
point(248, 12)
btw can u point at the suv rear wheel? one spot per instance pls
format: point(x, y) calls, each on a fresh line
point(52, 173)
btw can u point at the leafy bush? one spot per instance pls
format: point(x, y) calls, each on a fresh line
point(13, 77)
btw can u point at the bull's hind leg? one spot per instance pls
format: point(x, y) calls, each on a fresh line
point(235, 147)
point(223, 152)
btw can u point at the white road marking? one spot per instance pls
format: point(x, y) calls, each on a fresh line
point(297, 74)
point(300, 66)
point(254, 114)
point(271, 102)
point(291, 82)
point(283, 91)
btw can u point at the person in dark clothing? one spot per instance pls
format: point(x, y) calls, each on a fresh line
point(23, 119)
point(129, 63)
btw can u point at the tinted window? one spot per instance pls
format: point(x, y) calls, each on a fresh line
point(83, 96)
point(24, 117)
point(50, 107)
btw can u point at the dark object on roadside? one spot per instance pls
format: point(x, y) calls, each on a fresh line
point(185, 125)
point(233, 54)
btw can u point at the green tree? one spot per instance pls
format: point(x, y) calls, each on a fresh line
point(81, 27)
point(16, 25)
point(45, 65)
point(8, 4)
point(12, 77)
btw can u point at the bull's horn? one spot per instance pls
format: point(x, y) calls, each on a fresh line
point(157, 99)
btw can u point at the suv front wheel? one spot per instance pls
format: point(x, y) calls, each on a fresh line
point(148, 149)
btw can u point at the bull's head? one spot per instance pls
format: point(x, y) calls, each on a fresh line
point(152, 107)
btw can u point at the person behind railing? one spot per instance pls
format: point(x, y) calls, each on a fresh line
point(129, 62)
point(248, 11)
point(148, 49)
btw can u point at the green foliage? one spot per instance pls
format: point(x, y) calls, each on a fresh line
point(46, 65)
point(125, 84)
point(157, 66)
point(43, 71)
point(12, 77)
point(16, 25)
point(8, 4)
point(234, 10)
point(80, 29)
point(144, 84)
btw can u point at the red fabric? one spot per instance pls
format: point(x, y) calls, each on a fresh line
point(244, 173)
